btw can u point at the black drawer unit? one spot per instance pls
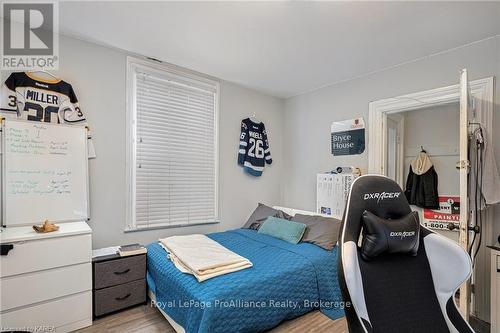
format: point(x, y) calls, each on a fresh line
point(118, 283)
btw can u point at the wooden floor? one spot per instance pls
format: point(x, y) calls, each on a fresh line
point(148, 319)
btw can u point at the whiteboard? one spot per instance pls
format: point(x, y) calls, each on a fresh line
point(44, 173)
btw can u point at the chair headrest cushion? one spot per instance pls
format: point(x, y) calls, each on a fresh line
point(389, 235)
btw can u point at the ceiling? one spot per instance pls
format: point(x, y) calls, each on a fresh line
point(282, 48)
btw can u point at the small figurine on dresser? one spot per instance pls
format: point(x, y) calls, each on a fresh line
point(46, 227)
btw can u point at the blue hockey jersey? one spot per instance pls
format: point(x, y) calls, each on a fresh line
point(254, 147)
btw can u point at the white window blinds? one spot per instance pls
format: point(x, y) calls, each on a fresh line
point(175, 150)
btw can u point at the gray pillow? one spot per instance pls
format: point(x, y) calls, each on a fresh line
point(261, 213)
point(322, 231)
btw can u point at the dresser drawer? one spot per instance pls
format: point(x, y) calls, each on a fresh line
point(35, 255)
point(25, 289)
point(63, 315)
point(119, 297)
point(118, 271)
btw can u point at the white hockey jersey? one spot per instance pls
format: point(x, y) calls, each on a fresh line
point(23, 96)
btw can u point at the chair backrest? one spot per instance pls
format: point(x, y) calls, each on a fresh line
point(397, 292)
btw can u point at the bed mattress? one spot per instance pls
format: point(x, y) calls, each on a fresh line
point(286, 281)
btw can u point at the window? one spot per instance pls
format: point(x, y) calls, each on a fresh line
point(172, 148)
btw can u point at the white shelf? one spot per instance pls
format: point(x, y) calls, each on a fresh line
point(19, 234)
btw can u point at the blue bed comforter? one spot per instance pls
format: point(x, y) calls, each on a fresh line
point(285, 282)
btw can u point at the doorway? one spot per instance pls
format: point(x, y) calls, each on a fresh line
point(434, 130)
point(481, 94)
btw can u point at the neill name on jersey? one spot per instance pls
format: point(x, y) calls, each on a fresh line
point(255, 135)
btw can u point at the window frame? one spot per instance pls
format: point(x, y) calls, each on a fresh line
point(173, 72)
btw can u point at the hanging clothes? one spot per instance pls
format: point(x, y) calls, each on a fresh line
point(23, 96)
point(254, 151)
point(484, 180)
point(422, 183)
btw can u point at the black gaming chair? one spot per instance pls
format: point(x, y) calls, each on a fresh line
point(398, 292)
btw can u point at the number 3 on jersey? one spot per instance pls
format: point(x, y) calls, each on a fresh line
point(255, 149)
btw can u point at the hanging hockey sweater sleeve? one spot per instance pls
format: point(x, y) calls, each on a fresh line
point(26, 97)
point(70, 113)
point(267, 151)
point(8, 98)
point(243, 143)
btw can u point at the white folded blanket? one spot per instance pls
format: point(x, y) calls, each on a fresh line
point(202, 257)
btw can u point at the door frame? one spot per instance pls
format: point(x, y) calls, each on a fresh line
point(482, 92)
point(399, 119)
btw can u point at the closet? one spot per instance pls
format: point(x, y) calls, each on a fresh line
point(471, 103)
point(435, 131)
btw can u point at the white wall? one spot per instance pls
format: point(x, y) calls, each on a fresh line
point(241, 192)
point(308, 118)
point(98, 74)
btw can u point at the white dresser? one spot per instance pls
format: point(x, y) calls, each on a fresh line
point(495, 289)
point(46, 279)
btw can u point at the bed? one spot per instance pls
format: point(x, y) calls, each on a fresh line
point(286, 281)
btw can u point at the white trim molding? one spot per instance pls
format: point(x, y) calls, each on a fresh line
point(482, 92)
point(181, 77)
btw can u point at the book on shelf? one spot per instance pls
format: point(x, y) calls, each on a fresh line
point(131, 250)
point(104, 252)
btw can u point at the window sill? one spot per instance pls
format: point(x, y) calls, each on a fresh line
point(129, 229)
